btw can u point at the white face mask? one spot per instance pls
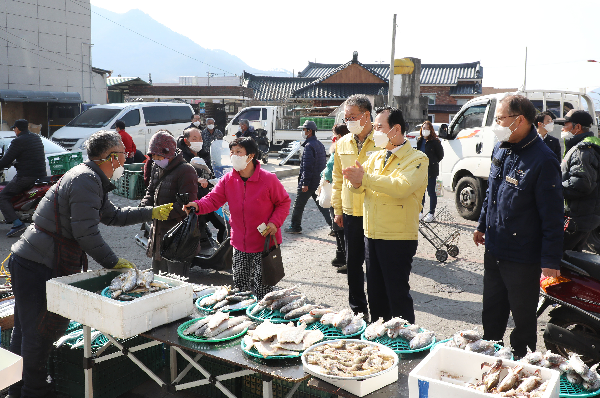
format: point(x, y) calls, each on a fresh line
point(210, 126)
point(354, 126)
point(565, 135)
point(303, 135)
point(196, 146)
point(426, 133)
point(381, 139)
point(549, 127)
point(118, 172)
point(503, 133)
point(239, 163)
point(196, 124)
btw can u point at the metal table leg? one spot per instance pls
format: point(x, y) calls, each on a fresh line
point(267, 386)
point(87, 355)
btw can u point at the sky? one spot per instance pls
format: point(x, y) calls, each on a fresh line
point(560, 36)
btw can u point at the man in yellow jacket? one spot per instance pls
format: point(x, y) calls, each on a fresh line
point(393, 182)
point(347, 206)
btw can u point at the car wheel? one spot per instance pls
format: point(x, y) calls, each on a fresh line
point(469, 197)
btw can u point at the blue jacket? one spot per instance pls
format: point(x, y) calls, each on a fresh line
point(522, 214)
point(312, 163)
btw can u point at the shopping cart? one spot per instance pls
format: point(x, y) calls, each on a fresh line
point(442, 233)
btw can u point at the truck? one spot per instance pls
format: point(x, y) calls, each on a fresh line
point(468, 143)
point(279, 128)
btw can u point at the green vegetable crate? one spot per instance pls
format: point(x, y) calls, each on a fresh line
point(130, 185)
point(323, 123)
point(60, 164)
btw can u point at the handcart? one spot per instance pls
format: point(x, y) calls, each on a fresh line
point(442, 233)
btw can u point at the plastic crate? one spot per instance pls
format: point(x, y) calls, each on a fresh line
point(323, 123)
point(215, 368)
point(134, 167)
point(130, 185)
point(5, 337)
point(60, 164)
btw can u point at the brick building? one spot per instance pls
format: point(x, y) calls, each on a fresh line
point(326, 86)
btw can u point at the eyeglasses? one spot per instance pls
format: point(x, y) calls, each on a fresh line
point(500, 119)
point(353, 118)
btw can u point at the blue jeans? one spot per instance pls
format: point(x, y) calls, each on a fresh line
point(35, 328)
point(431, 181)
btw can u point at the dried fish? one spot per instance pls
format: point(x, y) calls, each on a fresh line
point(277, 294)
point(422, 340)
point(354, 326)
point(307, 319)
point(280, 303)
point(305, 309)
point(216, 319)
point(226, 324)
point(196, 325)
point(293, 305)
point(240, 305)
point(372, 331)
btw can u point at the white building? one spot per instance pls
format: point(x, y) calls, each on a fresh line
point(45, 59)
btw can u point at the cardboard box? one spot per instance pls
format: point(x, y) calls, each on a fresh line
point(464, 366)
point(74, 297)
point(11, 368)
point(359, 386)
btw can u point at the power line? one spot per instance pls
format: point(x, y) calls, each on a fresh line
point(152, 40)
point(39, 55)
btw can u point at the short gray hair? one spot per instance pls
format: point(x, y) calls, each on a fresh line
point(210, 118)
point(186, 132)
point(99, 143)
point(245, 122)
point(361, 101)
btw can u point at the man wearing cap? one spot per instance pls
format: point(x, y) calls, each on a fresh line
point(27, 151)
point(580, 178)
point(312, 163)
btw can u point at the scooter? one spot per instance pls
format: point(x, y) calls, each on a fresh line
point(26, 202)
point(212, 254)
point(574, 324)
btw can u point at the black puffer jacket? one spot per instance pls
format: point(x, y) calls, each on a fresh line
point(313, 162)
point(581, 180)
point(82, 204)
point(187, 152)
point(181, 178)
point(28, 151)
point(435, 153)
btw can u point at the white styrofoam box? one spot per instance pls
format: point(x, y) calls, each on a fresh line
point(359, 386)
point(122, 319)
point(11, 368)
point(424, 380)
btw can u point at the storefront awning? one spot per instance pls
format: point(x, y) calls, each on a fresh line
point(40, 96)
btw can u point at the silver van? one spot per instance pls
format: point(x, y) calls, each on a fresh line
point(142, 120)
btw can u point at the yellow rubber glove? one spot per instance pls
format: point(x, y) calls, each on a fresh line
point(162, 212)
point(122, 263)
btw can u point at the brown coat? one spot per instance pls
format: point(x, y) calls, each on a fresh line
point(182, 178)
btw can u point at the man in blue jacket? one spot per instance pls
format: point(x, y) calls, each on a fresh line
point(312, 163)
point(521, 224)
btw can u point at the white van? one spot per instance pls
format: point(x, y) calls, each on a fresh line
point(142, 120)
point(469, 142)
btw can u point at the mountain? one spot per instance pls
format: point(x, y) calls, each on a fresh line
point(128, 54)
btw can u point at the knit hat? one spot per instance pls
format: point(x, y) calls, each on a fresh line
point(163, 144)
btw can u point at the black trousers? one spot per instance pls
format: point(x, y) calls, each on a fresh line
point(31, 337)
point(388, 269)
point(13, 188)
point(354, 235)
point(510, 287)
point(218, 223)
point(575, 240)
point(300, 204)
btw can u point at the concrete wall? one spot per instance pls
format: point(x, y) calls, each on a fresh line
point(41, 47)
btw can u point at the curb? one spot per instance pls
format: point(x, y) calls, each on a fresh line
point(293, 171)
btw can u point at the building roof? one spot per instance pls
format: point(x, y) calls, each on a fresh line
point(339, 90)
point(113, 81)
point(273, 88)
point(319, 70)
point(40, 96)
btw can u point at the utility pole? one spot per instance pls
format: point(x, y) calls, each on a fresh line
point(91, 72)
point(525, 76)
point(391, 79)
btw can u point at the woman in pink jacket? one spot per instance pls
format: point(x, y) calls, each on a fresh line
point(255, 196)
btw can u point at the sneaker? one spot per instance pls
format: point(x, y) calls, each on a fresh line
point(421, 215)
point(15, 230)
point(292, 230)
point(343, 269)
point(332, 233)
point(428, 217)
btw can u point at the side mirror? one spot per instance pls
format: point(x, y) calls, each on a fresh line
point(443, 131)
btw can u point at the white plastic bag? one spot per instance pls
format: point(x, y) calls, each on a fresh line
point(324, 197)
point(439, 188)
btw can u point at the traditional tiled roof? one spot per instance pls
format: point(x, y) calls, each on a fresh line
point(339, 90)
point(466, 89)
point(319, 70)
point(112, 81)
point(273, 88)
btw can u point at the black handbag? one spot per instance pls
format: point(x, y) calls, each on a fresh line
point(272, 263)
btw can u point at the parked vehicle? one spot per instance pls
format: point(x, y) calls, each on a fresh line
point(50, 148)
point(26, 202)
point(468, 143)
point(279, 130)
point(574, 324)
point(142, 120)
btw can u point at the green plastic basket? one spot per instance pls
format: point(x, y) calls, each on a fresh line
point(399, 345)
point(73, 326)
point(60, 164)
point(570, 390)
point(130, 185)
point(5, 337)
point(254, 353)
point(195, 339)
point(209, 308)
point(332, 332)
point(273, 316)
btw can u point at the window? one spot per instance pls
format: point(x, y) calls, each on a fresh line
point(431, 98)
point(157, 115)
point(131, 118)
point(553, 106)
point(461, 101)
point(264, 113)
point(94, 117)
point(250, 114)
point(471, 118)
point(431, 118)
point(180, 114)
point(451, 117)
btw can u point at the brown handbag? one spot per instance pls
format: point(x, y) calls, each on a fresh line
point(272, 263)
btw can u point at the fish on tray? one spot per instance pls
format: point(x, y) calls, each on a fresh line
point(218, 326)
point(280, 339)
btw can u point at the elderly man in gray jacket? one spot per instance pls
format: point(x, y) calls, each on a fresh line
point(64, 230)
